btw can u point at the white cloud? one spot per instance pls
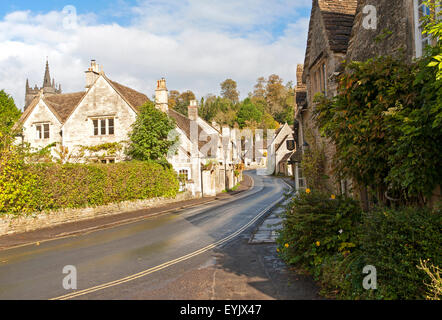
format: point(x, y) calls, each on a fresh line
point(194, 44)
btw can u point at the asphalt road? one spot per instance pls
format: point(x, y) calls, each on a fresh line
point(155, 258)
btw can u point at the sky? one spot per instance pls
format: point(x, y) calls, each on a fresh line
point(194, 44)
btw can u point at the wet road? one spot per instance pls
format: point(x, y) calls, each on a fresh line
point(140, 253)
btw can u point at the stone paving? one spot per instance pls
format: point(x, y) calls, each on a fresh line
point(267, 232)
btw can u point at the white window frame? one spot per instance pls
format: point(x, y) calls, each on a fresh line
point(40, 134)
point(419, 39)
point(106, 126)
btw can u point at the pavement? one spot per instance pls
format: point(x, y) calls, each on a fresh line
point(191, 253)
point(269, 229)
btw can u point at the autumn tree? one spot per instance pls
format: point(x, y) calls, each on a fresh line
point(260, 88)
point(229, 90)
point(275, 94)
point(183, 101)
point(173, 97)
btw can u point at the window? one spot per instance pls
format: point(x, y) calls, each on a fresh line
point(110, 123)
point(184, 173)
point(319, 78)
point(95, 127)
point(42, 131)
point(420, 10)
point(104, 126)
point(107, 160)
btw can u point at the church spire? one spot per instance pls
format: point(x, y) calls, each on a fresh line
point(47, 78)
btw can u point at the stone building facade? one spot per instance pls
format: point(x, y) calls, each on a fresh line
point(397, 30)
point(329, 33)
point(342, 30)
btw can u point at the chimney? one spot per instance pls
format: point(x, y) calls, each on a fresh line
point(92, 74)
point(161, 96)
point(193, 110)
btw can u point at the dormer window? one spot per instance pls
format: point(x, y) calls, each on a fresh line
point(42, 131)
point(104, 126)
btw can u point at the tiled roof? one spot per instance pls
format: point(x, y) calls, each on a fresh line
point(133, 97)
point(338, 17)
point(184, 124)
point(64, 104)
point(338, 6)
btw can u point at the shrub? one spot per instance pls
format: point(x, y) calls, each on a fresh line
point(19, 189)
point(52, 186)
point(318, 226)
point(394, 241)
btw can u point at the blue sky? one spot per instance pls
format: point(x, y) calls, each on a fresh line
point(195, 44)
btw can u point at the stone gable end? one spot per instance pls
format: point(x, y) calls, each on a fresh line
point(41, 114)
point(103, 101)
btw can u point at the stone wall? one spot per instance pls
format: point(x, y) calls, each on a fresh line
point(11, 225)
point(395, 30)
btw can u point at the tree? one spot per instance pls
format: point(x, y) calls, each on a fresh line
point(260, 88)
point(9, 113)
point(149, 137)
point(275, 94)
point(208, 108)
point(248, 112)
point(183, 101)
point(173, 97)
point(229, 90)
point(268, 122)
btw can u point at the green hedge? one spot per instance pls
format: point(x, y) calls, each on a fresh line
point(334, 240)
point(56, 186)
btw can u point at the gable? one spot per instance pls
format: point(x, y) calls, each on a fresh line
point(330, 28)
point(101, 100)
point(39, 111)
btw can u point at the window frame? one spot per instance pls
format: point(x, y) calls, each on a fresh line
point(102, 126)
point(419, 37)
point(42, 131)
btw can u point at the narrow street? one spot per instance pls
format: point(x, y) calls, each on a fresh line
point(201, 252)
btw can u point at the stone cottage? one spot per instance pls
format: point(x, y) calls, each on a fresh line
point(78, 123)
point(329, 33)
